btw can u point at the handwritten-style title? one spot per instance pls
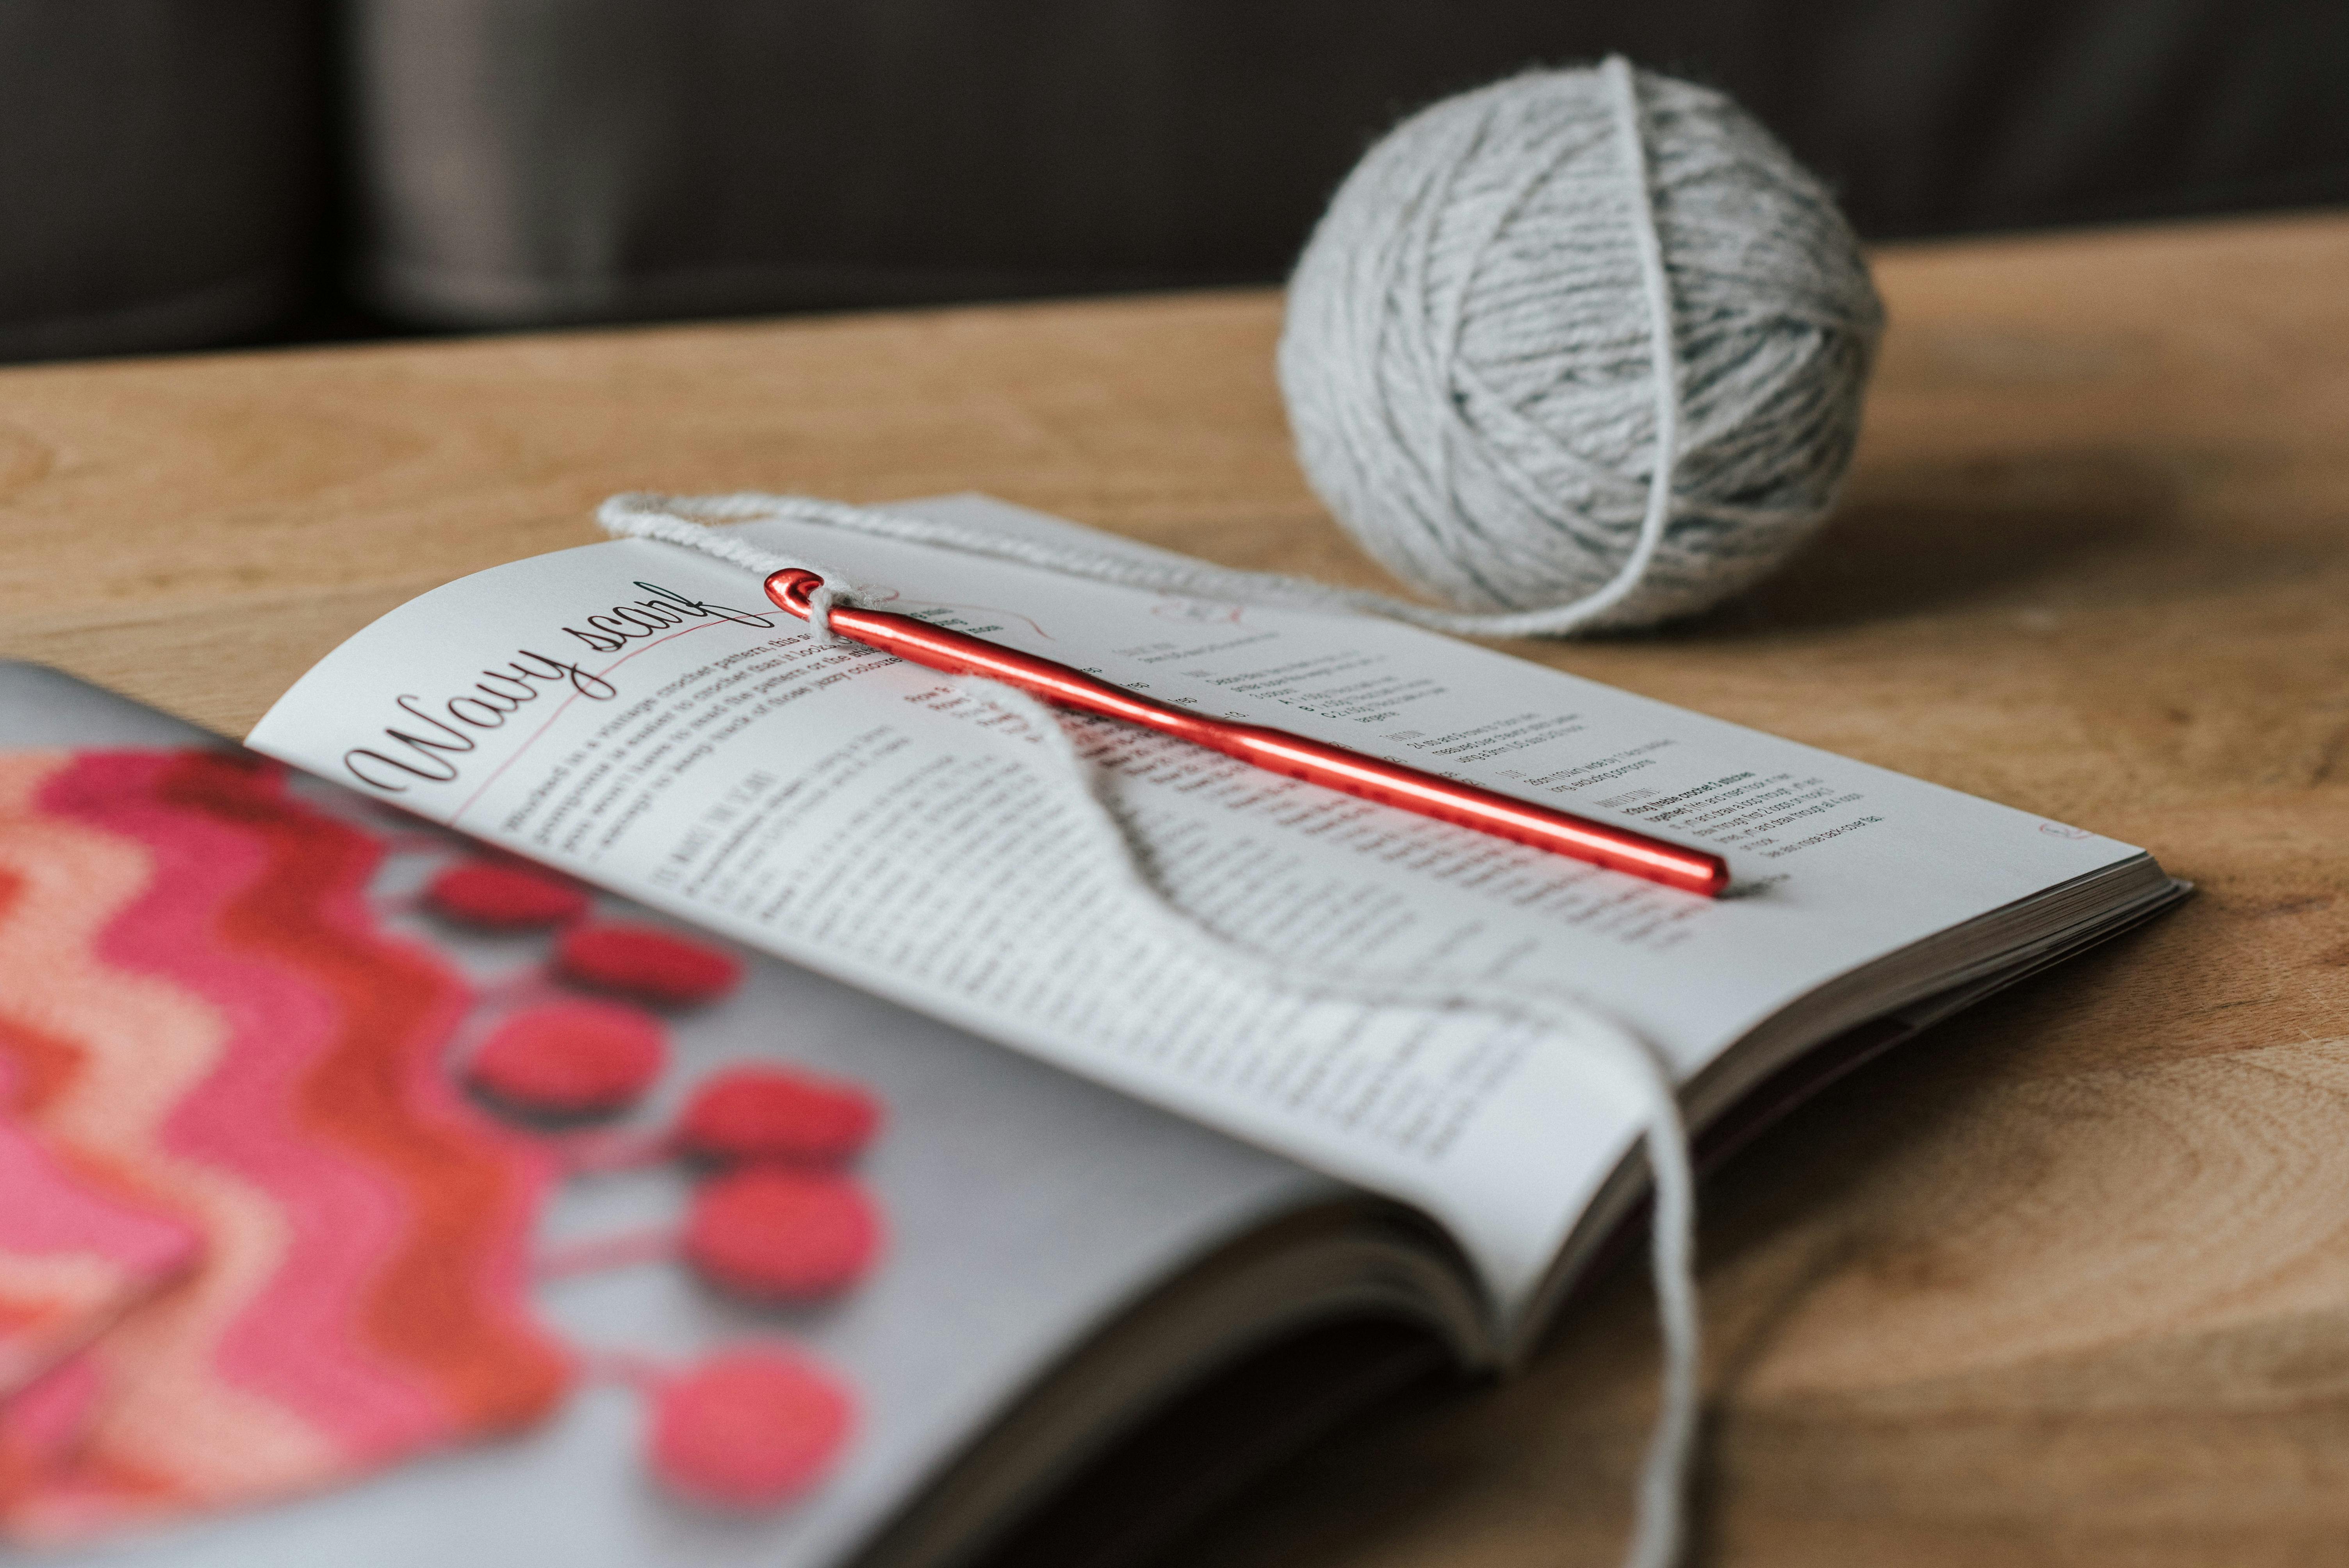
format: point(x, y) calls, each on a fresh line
point(447, 728)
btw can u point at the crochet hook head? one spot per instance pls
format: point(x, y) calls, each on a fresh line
point(791, 589)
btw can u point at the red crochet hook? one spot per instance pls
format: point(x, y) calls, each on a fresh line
point(1370, 778)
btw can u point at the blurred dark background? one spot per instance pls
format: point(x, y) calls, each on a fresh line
point(187, 174)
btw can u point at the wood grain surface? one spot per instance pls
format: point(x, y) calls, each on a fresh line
point(2065, 1283)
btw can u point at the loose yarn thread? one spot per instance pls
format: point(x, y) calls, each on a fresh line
point(1656, 1535)
point(1583, 347)
point(1664, 1480)
point(683, 520)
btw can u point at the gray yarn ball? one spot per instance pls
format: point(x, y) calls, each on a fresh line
point(1472, 352)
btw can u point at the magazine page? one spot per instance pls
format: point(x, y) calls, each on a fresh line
point(413, 1328)
point(637, 714)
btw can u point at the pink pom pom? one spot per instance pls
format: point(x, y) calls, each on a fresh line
point(503, 896)
point(776, 1113)
point(572, 1058)
point(781, 1234)
point(647, 963)
point(747, 1428)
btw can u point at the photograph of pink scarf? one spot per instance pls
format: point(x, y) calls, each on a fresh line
point(74, 1256)
point(255, 1243)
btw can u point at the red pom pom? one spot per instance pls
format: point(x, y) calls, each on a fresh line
point(572, 1058)
point(775, 1113)
point(777, 1234)
point(503, 896)
point(747, 1428)
point(643, 961)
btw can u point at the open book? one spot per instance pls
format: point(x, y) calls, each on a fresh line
point(1233, 1209)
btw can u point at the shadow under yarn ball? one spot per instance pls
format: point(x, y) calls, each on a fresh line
point(1584, 343)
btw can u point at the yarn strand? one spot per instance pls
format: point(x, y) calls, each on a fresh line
point(670, 525)
point(1657, 1534)
point(1664, 361)
point(646, 515)
point(1658, 1530)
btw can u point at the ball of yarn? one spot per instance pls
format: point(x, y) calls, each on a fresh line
point(1587, 343)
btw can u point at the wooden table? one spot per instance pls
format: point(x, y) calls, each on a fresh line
point(2068, 1283)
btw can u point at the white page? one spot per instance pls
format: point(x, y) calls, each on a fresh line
point(843, 809)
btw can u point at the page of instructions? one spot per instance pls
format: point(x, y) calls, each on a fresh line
point(638, 714)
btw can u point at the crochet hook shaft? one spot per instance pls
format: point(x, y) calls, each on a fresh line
point(1370, 778)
